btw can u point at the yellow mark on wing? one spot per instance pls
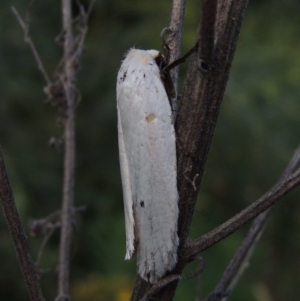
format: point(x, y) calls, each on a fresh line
point(150, 117)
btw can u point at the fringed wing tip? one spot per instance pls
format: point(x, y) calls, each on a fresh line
point(129, 252)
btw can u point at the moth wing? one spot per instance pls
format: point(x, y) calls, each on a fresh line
point(156, 190)
point(127, 192)
point(150, 150)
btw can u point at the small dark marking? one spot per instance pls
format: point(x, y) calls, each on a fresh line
point(148, 276)
point(144, 75)
point(133, 71)
point(142, 203)
point(124, 76)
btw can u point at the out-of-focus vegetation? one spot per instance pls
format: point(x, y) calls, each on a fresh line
point(257, 132)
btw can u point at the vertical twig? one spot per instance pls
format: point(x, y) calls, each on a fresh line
point(174, 41)
point(18, 235)
point(69, 156)
point(63, 92)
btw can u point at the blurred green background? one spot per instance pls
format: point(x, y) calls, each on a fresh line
point(257, 132)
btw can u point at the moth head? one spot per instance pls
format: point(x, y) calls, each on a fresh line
point(153, 53)
point(159, 58)
point(162, 62)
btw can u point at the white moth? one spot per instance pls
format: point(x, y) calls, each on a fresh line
point(147, 150)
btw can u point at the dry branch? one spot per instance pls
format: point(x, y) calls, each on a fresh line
point(63, 92)
point(201, 101)
point(192, 248)
point(18, 235)
point(239, 262)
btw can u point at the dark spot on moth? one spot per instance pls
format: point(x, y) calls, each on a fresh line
point(148, 276)
point(142, 203)
point(124, 76)
point(144, 75)
point(133, 71)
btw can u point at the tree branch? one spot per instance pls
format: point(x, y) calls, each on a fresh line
point(192, 248)
point(201, 101)
point(237, 265)
point(18, 235)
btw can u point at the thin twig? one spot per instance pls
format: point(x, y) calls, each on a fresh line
point(45, 227)
point(239, 262)
point(71, 59)
point(293, 165)
point(245, 263)
point(90, 8)
point(165, 281)
point(157, 286)
point(44, 243)
point(29, 41)
point(81, 36)
point(174, 41)
point(69, 157)
point(18, 235)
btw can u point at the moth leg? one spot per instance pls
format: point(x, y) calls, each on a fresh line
point(166, 50)
point(181, 59)
point(167, 31)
